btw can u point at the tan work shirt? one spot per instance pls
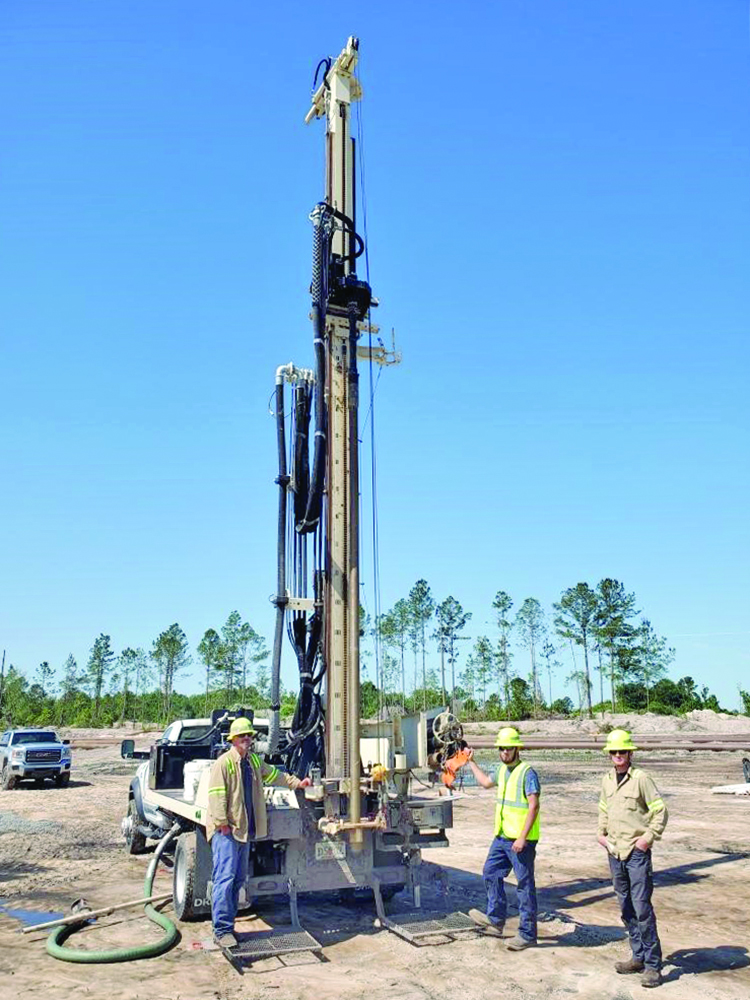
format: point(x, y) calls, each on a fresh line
point(226, 796)
point(630, 810)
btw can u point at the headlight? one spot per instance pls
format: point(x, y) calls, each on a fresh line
point(18, 754)
point(66, 755)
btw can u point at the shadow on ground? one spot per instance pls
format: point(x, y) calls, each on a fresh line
point(697, 960)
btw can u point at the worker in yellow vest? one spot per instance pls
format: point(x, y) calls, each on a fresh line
point(632, 815)
point(515, 840)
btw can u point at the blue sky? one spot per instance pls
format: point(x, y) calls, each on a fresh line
point(559, 231)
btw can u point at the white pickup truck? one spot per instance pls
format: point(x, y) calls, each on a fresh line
point(33, 754)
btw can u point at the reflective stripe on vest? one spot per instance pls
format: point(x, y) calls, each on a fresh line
point(512, 805)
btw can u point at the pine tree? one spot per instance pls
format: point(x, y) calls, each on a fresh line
point(98, 668)
point(452, 619)
point(501, 606)
point(422, 608)
point(576, 621)
point(170, 653)
point(531, 629)
point(209, 651)
point(615, 608)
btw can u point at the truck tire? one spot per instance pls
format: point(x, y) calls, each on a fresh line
point(184, 880)
point(7, 780)
point(136, 842)
point(61, 780)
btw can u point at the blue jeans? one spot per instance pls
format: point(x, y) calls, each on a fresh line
point(500, 860)
point(633, 881)
point(231, 860)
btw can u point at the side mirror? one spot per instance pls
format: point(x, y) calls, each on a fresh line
point(66, 743)
point(126, 749)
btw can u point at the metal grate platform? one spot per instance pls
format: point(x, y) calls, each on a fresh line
point(412, 926)
point(270, 944)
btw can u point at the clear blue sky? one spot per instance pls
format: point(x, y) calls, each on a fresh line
point(558, 201)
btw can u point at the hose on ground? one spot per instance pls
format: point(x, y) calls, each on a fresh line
point(58, 935)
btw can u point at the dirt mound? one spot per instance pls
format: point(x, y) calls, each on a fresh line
point(698, 721)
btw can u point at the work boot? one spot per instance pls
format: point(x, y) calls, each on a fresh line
point(483, 921)
point(519, 943)
point(227, 940)
point(631, 965)
point(651, 977)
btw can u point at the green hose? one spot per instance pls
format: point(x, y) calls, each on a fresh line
point(57, 935)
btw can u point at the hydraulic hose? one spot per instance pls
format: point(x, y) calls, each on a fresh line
point(274, 724)
point(320, 218)
point(171, 936)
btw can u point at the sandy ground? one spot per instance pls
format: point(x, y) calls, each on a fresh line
point(60, 844)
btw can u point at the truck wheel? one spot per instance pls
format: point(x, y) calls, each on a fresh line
point(7, 780)
point(134, 839)
point(184, 879)
point(61, 780)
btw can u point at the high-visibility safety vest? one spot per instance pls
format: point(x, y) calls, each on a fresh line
point(512, 805)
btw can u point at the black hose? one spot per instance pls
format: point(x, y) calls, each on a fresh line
point(319, 292)
point(325, 61)
point(301, 469)
point(349, 224)
point(274, 726)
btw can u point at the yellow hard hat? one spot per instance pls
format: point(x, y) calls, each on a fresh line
point(619, 739)
point(508, 737)
point(241, 727)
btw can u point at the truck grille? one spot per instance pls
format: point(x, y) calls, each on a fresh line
point(48, 756)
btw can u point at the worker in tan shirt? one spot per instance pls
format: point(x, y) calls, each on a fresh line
point(632, 815)
point(237, 815)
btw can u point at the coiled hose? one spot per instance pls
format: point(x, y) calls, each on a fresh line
point(58, 935)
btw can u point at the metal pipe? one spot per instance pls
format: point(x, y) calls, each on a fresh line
point(530, 743)
point(77, 918)
point(333, 827)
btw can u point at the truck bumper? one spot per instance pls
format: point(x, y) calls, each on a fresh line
point(21, 769)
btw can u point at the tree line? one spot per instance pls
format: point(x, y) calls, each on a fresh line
point(139, 685)
point(414, 651)
point(598, 630)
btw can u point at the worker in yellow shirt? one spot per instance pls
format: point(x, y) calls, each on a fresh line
point(632, 815)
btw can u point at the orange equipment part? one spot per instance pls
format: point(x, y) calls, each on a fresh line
point(453, 765)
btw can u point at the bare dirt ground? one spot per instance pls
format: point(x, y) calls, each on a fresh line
point(60, 844)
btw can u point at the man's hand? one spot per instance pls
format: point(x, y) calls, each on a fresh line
point(518, 845)
point(226, 830)
point(603, 841)
point(469, 755)
point(304, 783)
point(642, 844)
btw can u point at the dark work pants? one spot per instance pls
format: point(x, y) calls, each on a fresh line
point(633, 881)
point(500, 860)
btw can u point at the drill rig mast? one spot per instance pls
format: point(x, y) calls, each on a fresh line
point(359, 827)
point(326, 633)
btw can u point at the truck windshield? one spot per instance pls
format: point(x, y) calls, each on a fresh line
point(41, 737)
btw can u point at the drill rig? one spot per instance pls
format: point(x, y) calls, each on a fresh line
point(355, 828)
